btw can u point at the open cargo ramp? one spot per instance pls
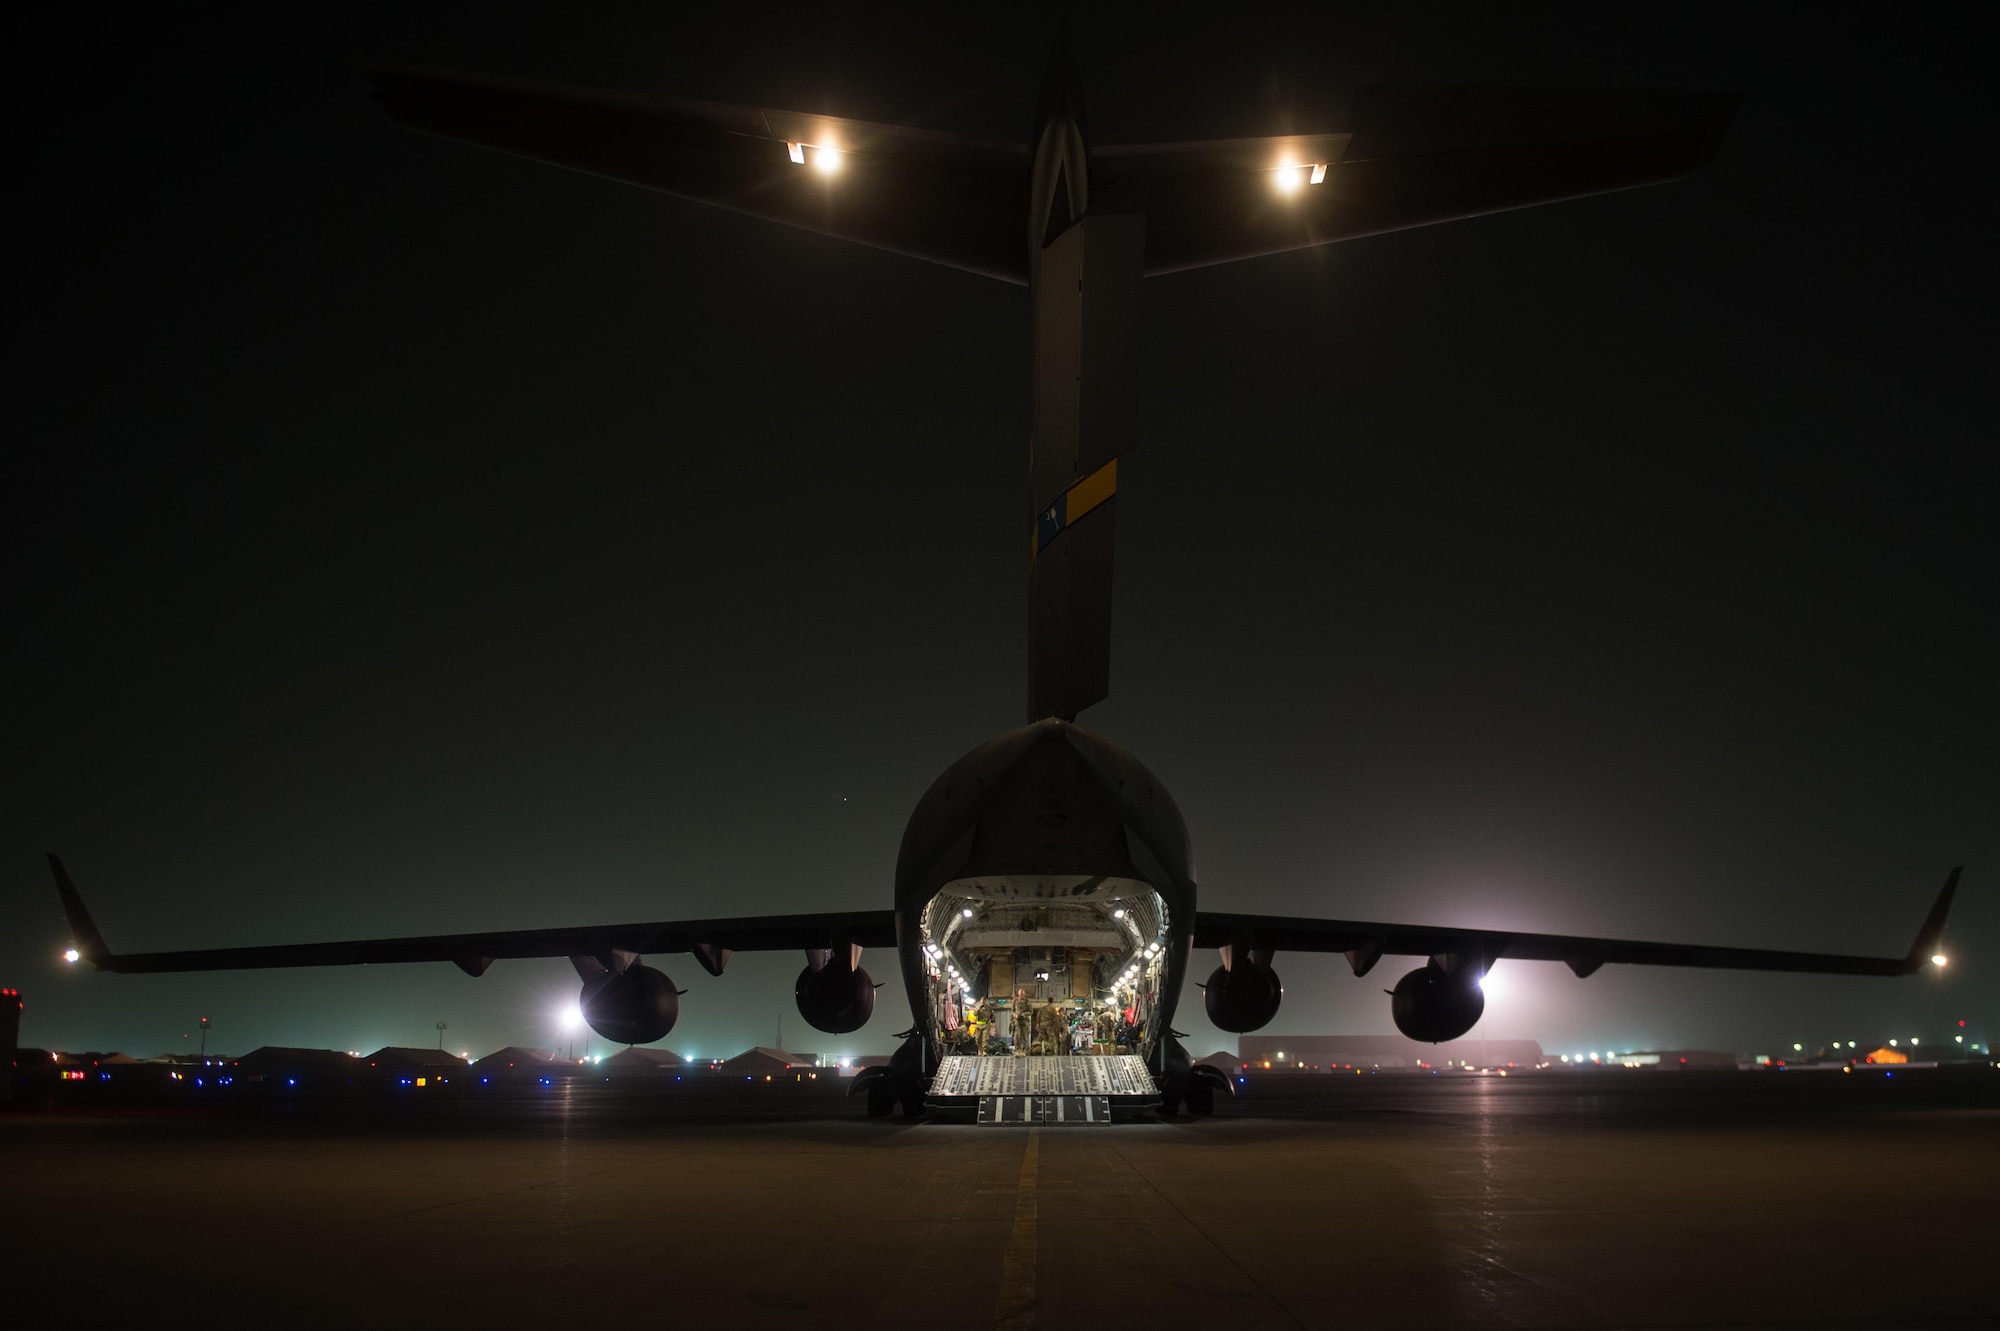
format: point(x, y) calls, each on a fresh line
point(1043, 1090)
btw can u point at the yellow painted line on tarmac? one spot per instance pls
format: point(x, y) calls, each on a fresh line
point(1015, 1310)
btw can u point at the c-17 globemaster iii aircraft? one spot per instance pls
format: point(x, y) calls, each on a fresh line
point(1045, 901)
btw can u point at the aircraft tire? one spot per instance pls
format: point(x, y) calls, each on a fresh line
point(881, 1099)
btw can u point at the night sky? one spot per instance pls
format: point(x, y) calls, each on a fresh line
point(405, 538)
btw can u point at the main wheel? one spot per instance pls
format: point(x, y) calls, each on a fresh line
point(881, 1099)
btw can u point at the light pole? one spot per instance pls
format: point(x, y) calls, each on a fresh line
point(204, 1037)
point(440, 1037)
point(571, 1019)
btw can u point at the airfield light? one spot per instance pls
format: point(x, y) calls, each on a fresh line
point(1938, 960)
point(1914, 1041)
point(572, 1018)
point(1798, 1048)
point(826, 160)
point(1892, 1044)
point(70, 955)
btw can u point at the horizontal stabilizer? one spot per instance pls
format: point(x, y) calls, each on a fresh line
point(1414, 157)
point(950, 200)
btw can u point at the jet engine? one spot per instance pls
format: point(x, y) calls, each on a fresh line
point(1432, 1005)
point(1243, 997)
point(834, 998)
point(635, 1006)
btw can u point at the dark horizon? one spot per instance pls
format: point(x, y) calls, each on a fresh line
point(415, 539)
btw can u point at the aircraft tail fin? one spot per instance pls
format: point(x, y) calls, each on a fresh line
point(1087, 314)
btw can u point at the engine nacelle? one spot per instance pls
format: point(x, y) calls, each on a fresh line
point(835, 999)
point(635, 1006)
point(1432, 1006)
point(1243, 997)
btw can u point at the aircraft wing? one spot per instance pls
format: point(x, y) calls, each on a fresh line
point(1415, 156)
point(951, 200)
point(1365, 943)
point(473, 952)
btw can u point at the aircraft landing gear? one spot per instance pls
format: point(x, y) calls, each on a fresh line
point(1200, 1097)
point(881, 1098)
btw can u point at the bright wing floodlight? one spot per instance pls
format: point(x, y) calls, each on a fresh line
point(825, 160)
point(72, 954)
point(1937, 960)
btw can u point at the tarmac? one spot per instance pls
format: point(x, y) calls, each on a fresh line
point(1598, 1199)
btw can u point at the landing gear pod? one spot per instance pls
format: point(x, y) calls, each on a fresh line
point(1433, 1005)
point(637, 1005)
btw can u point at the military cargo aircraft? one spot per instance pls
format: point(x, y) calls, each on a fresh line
point(1044, 900)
